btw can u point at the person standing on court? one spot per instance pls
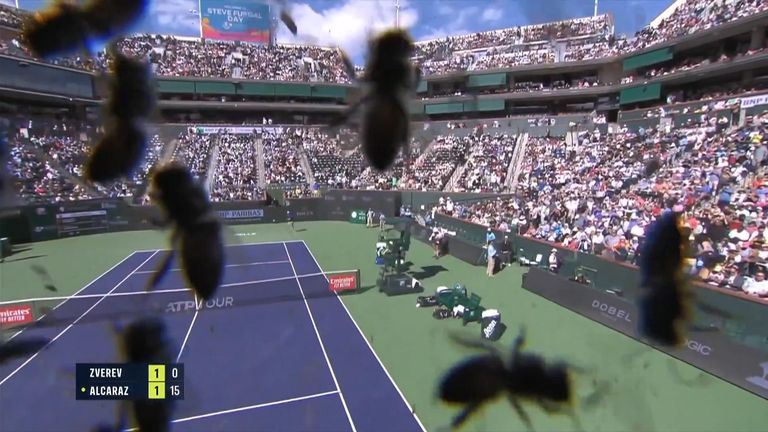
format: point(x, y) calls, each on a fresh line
point(289, 217)
point(491, 258)
point(554, 261)
point(370, 218)
point(490, 236)
point(506, 252)
point(382, 221)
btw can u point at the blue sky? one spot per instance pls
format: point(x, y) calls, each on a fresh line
point(347, 23)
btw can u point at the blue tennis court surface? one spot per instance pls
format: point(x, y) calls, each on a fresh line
point(272, 351)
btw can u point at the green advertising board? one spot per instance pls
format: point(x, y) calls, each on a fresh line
point(357, 216)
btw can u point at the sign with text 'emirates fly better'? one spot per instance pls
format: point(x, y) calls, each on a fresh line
point(235, 20)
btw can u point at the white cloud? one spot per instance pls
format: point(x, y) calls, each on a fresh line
point(492, 14)
point(347, 25)
point(8, 2)
point(444, 9)
point(175, 15)
point(458, 25)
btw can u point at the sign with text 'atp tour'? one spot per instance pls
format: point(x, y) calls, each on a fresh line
point(235, 20)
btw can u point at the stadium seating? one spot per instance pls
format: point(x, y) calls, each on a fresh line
point(582, 39)
point(237, 173)
point(282, 156)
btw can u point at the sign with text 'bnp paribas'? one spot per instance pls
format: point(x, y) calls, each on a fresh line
point(235, 20)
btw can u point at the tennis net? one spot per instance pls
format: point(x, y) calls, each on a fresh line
point(88, 308)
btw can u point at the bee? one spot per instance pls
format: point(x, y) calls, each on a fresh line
point(196, 229)
point(64, 27)
point(664, 305)
point(390, 77)
point(132, 99)
point(20, 347)
point(483, 378)
point(146, 341)
point(57, 30)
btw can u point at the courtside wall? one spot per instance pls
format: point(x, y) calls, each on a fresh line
point(735, 322)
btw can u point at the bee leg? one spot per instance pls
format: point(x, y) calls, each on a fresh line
point(548, 406)
point(122, 416)
point(287, 19)
point(552, 408)
point(517, 346)
point(464, 415)
point(473, 344)
point(521, 413)
point(161, 271)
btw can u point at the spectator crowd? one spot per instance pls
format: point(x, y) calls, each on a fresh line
point(564, 41)
point(595, 195)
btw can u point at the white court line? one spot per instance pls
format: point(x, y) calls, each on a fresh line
point(75, 322)
point(250, 407)
point(319, 339)
point(73, 295)
point(189, 330)
point(228, 265)
point(144, 292)
point(232, 245)
point(366, 341)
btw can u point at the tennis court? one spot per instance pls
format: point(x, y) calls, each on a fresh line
point(271, 351)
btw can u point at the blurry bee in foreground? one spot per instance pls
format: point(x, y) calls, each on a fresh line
point(664, 306)
point(196, 229)
point(390, 77)
point(132, 99)
point(56, 30)
point(482, 378)
point(64, 27)
point(146, 341)
point(20, 347)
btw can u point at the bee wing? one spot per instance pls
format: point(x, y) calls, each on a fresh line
point(714, 310)
point(348, 65)
point(350, 111)
point(108, 18)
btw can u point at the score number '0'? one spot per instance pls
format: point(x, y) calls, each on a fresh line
point(174, 373)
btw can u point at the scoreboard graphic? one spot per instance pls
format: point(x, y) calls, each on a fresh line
point(99, 381)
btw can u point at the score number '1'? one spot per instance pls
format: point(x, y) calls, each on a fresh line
point(175, 391)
